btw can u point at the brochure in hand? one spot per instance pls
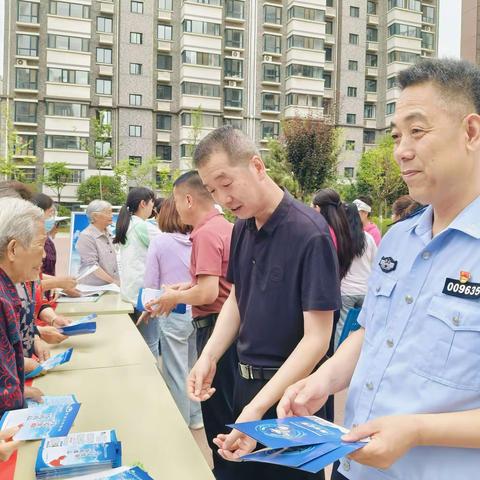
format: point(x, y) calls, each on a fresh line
point(52, 400)
point(121, 473)
point(146, 295)
point(80, 327)
point(306, 443)
point(78, 453)
point(41, 422)
point(52, 362)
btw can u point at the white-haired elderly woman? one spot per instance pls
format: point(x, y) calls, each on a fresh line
point(96, 248)
point(22, 240)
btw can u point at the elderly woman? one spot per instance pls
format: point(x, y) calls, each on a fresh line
point(96, 248)
point(22, 239)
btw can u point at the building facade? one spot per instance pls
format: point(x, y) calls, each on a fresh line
point(163, 73)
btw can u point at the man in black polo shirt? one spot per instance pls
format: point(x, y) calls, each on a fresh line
point(284, 271)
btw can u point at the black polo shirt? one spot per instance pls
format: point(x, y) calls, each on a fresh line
point(287, 267)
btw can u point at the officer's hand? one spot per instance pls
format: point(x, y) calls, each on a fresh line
point(303, 398)
point(390, 439)
point(7, 445)
point(199, 382)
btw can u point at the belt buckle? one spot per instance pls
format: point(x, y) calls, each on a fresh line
point(247, 371)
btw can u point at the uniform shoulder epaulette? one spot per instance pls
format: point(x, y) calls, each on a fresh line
point(416, 212)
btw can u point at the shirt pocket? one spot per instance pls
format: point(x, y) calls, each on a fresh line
point(450, 350)
point(377, 305)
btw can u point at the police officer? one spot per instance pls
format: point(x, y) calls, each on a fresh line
point(284, 271)
point(413, 367)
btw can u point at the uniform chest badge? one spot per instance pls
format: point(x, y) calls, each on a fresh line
point(388, 264)
point(462, 288)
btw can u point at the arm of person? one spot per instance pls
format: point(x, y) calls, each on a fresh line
point(103, 275)
point(49, 283)
point(7, 445)
point(309, 351)
point(51, 317)
point(51, 335)
point(199, 382)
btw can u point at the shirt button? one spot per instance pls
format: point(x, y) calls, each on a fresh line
point(369, 385)
point(390, 343)
point(426, 255)
point(346, 465)
point(253, 261)
point(408, 299)
point(456, 321)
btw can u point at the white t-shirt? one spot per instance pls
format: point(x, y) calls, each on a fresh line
point(356, 280)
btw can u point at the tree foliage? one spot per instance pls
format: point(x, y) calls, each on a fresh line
point(112, 190)
point(312, 150)
point(137, 175)
point(56, 177)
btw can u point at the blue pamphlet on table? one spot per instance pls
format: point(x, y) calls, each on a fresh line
point(52, 400)
point(81, 327)
point(121, 473)
point(52, 362)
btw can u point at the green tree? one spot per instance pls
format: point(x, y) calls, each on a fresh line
point(278, 167)
point(379, 176)
point(166, 178)
point(57, 175)
point(112, 190)
point(140, 175)
point(312, 149)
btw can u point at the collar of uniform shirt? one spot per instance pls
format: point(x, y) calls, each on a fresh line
point(277, 216)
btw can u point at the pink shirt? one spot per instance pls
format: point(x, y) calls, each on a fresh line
point(373, 230)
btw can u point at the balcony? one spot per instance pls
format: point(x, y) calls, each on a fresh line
point(106, 70)
point(164, 45)
point(371, 71)
point(330, 12)
point(371, 97)
point(372, 20)
point(164, 15)
point(164, 76)
point(372, 46)
point(105, 101)
point(164, 105)
point(305, 85)
point(107, 7)
point(68, 91)
point(303, 111)
point(163, 136)
point(370, 122)
point(105, 38)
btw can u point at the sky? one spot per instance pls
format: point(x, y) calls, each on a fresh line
point(449, 40)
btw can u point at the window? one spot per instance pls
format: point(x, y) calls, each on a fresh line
point(61, 109)
point(75, 176)
point(299, 41)
point(428, 41)
point(404, 30)
point(354, 12)
point(371, 60)
point(271, 102)
point(135, 99)
point(309, 71)
point(369, 137)
point(353, 65)
point(104, 24)
point(270, 129)
point(165, 5)
point(134, 130)
point(329, 3)
point(63, 42)
point(201, 89)
point(27, 12)
point(203, 28)
point(390, 109)
point(104, 117)
point(327, 79)
point(272, 14)
point(350, 145)
point(135, 69)
point(233, 38)
point(351, 118)
point(64, 142)
point(135, 160)
point(272, 43)
point(329, 27)
point(369, 110)
point(104, 55)
point(26, 145)
point(104, 86)
point(391, 82)
point(404, 57)
point(353, 39)
point(235, 9)
point(26, 78)
point(371, 7)
point(164, 121)
point(370, 85)
point(67, 9)
point(233, 68)
point(186, 150)
point(234, 122)
point(233, 97)
point(348, 172)
point(351, 91)
point(303, 100)
point(164, 32)
point(328, 54)
point(428, 14)
point(62, 75)
point(136, 38)
point(201, 58)
point(372, 34)
point(136, 7)
point(27, 45)
point(313, 14)
point(103, 148)
point(164, 152)
point(271, 72)
point(208, 121)
point(164, 92)
point(164, 62)
point(415, 5)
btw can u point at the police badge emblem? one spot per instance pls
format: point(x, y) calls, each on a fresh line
point(388, 264)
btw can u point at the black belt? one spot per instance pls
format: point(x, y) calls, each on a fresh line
point(206, 321)
point(249, 372)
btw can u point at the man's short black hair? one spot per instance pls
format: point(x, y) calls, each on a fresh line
point(192, 181)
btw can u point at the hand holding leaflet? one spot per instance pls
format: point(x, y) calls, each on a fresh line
point(52, 362)
point(147, 295)
point(80, 327)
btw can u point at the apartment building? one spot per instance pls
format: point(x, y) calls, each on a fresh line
point(163, 73)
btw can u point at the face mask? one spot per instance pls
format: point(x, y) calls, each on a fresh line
point(49, 224)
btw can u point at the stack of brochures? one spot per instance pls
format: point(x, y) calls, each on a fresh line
point(78, 453)
point(80, 327)
point(52, 362)
point(42, 421)
point(52, 400)
point(305, 443)
point(121, 473)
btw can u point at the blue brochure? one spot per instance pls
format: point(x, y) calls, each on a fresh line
point(146, 295)
point(52, 362)
point(52, 400)
point(80, 327)
point(321, 462)
point(41, 422)
point(121, 473)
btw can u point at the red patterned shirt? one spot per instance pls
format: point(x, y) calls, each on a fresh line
point(11, 353)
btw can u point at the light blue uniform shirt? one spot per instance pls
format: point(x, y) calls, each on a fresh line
point(421, 352)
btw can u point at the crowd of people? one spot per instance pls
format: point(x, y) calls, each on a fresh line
point(268, 296)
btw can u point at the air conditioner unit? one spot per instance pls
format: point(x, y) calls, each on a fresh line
point(236, 54)
point(267, 58)
point(232, 83)
point(20, 62)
